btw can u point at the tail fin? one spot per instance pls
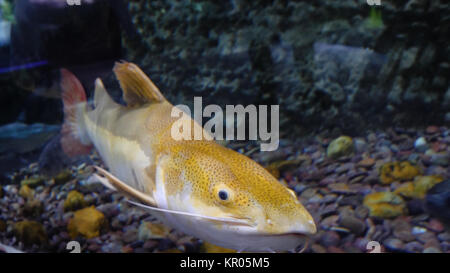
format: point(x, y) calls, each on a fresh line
point(74, 140)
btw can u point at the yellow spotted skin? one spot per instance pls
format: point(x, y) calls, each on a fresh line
point(253, 193)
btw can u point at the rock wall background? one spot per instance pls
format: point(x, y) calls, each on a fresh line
point(329, 64)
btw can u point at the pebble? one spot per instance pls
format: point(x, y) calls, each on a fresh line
point(74, 201)
point(316, 248)
point(361, 212)
point(413, 247)
point(94, 247)
point(432, 130)
point(402, 230)
point(340, 147)
point(130, 235)
point(384, 204)
point(361, 243)
point(445, 236)
point(355, 225)
point(421, 144)
point(127, 249)
point(30, 232)
point(327, 180)
point(431, 250)
point(308, 193)
point(87, 222)
point(418, 230)
point(329, 198)
point(26, 192)
point(441, 159)
point(343, 168)
point(333, 188)
point(63, 177)
point(426, 237)
point(112, 247)
point(394, 244)
point(150, 244)
point(33, 182)
point(366, 162)
point(445, 246)
point(435, 225)
point(299, 188)
point(109, 210)
point(329, 209)
point(329, 238)
point(341, 188)
point(149, 230)
point(360, 145)
point(436, 170)
point(33, 208)
point(432, 243)
point(330, 221)
point(334, 249)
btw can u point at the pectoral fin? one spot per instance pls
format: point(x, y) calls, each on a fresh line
point(137, 88)
point(112, 182)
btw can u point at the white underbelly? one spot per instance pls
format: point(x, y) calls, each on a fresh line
point(124, 158)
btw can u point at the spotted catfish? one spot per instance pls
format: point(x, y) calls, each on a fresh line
point(195, 186)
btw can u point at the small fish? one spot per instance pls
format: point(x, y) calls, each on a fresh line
point(195, 186)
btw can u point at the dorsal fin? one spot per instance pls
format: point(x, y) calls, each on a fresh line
point(101, 96)
point(137, 88)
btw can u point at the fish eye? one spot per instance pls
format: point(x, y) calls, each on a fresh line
point(223, 195)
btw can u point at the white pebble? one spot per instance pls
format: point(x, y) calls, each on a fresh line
point(421, 144)
point(418, 230)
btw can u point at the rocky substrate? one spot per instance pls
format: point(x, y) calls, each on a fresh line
point(381, 187)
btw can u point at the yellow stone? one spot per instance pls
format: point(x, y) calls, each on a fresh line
point(418, 188)
point(30, 232)
point(210, 248)
point(406, 190)
point(33, 182)
point(75, 200)
point(339, 147)
point(149, 230)
point(285, 165)
point(384, 204)
point(86, 222)
point(26, 192)
point(423, 183)
point(398, 171)
point(63, 177)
